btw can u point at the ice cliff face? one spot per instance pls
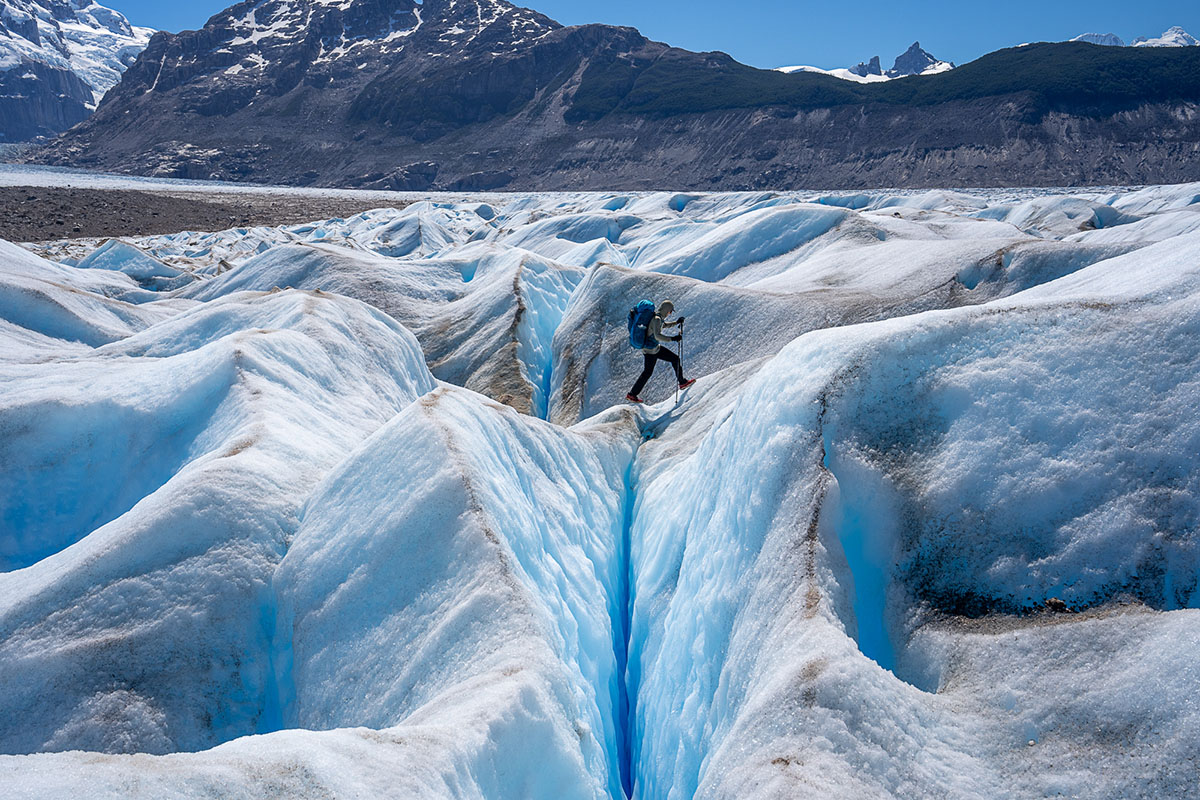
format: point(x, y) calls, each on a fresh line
point(272, 521)
point(57, 61)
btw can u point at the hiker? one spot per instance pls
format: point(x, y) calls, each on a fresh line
point(646, 334)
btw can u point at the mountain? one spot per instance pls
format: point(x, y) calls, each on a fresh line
point(1175, 37)
point(480, 94)
point(863, 69)
point(57, 60)
point(916, 61)
point(1103, 39)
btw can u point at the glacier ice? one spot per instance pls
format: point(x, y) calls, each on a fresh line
point(950, 464)
point(51, 305)
point(350, 508)
point(484, 315)
point(149, 272)
point(495, 573)
point(150, 511)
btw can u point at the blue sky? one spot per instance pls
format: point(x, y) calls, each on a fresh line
point(772, 33)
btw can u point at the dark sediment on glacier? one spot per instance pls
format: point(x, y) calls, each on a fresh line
point(33, 214)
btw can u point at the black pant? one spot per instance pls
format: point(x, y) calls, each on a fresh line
point(652, 360)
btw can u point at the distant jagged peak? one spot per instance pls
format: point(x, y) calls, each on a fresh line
point(1174, 37)
point(916, 61)
point(1102, 39)
point(872, 67)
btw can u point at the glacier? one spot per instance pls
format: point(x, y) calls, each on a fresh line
point(354, 508)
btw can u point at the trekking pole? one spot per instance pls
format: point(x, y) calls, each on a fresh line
point(680, 361)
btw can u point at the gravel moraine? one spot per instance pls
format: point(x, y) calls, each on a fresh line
point(35, 214)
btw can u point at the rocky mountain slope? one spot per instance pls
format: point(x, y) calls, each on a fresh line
point(481, 94)
point(58, 58)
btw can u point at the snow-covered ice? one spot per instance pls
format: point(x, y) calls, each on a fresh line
point(355, 509)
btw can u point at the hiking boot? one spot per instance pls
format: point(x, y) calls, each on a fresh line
point(633, 398)
point(686, 384)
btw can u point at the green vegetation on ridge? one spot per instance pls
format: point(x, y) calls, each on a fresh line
point(1071, 76)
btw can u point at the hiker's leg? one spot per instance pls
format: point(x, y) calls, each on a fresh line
point(647, 371)
point(673, 360)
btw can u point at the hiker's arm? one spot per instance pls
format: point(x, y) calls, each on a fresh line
point(656, 327)
point(674, 324)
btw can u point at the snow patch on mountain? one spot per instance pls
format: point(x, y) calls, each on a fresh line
point(1173, 37)
point(1103, 39)
point(362, 31)
point(844, 74)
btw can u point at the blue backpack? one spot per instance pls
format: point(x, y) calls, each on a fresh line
point(640, 315)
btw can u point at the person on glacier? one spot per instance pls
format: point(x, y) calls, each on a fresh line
point(646, 334)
